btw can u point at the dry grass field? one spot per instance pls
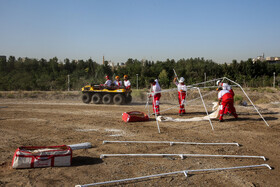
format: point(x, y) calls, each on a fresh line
point(60, 118)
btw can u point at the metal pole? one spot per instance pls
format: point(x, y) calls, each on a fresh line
point(182, 156)
point(137, 81)
point(86, 145)
point(204, 79)
point(170, 142)
point(205, 108)
point(248, 99)
point(273, 79)
point(68, 76)
point(185, 172)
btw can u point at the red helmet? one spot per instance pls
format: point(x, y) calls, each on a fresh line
point(107, 77)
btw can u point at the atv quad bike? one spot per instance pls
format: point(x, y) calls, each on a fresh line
point(99, 94)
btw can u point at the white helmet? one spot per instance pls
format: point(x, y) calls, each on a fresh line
point(218, 82)
point(181, 79)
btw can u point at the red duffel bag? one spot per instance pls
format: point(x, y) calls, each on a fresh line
point(134, 116)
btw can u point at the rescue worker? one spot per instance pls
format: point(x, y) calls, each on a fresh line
point(118, 82)
point(126, 82)
point(155, 89)
point(182, 90)
point(108, 82)
point(225, 100)
point(225, 86)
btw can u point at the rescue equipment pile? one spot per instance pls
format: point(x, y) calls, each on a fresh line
point(134, 116)
point(45, 156)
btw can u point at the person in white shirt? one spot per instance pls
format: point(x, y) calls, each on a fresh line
point(156, 94)
point(118, 82)
point(226, 102)
point(108, 82)
point(182, 90)
point(126, 82)
point(225, 86)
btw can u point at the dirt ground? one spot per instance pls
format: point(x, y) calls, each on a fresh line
point(37, 122)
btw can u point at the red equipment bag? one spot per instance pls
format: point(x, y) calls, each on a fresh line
point(134, 116)
point(46, 156)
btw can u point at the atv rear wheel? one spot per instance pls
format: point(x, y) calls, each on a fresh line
point(86, 98)
point(107, 99)
point(118, 99)
point(128, 99)
point(96, 98)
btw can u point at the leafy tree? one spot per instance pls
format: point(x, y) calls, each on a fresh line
point(163, 78)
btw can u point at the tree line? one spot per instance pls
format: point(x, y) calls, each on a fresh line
point(46, 75)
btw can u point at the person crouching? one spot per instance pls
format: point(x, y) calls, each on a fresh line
point(225, 101)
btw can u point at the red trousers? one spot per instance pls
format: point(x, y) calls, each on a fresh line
point(229, 105)
point(181, 98)
point(156, 99)
point(227, 109)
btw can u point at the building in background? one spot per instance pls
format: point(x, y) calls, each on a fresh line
point(267, 59)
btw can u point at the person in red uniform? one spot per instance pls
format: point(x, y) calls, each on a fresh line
point(182, 90)
point(226, 100)
point(225, 86)
point(155, 89)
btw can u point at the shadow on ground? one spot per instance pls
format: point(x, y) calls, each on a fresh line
point(85, 160)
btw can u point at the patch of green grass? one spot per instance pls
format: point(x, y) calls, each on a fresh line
point(262, 100)
point(25, 95)
point(33, 95)
point(58, 92)
point(11, 96)
point(254, 89)
point(139, 94)
point(238, 99)
point(269, 90)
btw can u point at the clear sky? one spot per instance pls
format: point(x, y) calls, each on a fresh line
point(221, 30)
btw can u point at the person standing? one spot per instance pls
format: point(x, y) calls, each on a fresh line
point(126, 82)
point(118, 82)
point(226, 100)
point(182, 91)
point(156, 94)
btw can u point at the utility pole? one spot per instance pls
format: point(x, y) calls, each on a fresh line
point(68, 76)
point(137, 81)
point(205, 79)
point(273, 79)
